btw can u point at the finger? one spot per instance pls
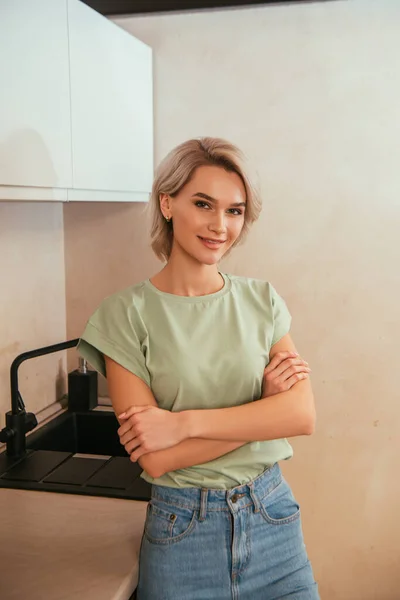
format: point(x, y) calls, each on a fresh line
point(137, 454)
point(133, 410)
point(278, 358)
point(292, 369)
point(295, 379)
point(292, 372)
point(127, 437)
point(125, 427)
point(286, 364)
point(132, 445)
point(130, 424)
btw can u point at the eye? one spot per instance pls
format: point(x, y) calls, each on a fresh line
point(236, 211)
point(201, 204)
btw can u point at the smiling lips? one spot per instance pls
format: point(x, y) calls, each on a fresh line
point(210, 243)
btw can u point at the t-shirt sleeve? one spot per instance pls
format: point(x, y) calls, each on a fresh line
point(111, 331)
point(281, 316)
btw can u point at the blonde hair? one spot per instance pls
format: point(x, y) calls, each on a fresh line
point(176, 170)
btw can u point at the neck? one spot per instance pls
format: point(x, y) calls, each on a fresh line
point(183, 276)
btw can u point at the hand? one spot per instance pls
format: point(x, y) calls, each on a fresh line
point(284, 370)
point(149, 428)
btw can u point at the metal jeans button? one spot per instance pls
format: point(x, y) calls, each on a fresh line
point(234, 498)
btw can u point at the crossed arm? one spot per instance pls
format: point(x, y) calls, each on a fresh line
point(286, 414)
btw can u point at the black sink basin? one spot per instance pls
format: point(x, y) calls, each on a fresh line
point(76, 453)
point(91, 432)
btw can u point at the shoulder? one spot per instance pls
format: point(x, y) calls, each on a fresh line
point(259, 293)
point(252, 287)
point(120, 306)
point(268, 304)
point(126, 297)
point(115, 329)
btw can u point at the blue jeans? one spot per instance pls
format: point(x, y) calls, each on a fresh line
point(245, 543)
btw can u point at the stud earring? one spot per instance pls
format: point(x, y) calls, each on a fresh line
point(168, 219)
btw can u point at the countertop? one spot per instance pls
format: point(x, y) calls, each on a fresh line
point(68, 547)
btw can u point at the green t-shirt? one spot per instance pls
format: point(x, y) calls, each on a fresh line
point(197, 352)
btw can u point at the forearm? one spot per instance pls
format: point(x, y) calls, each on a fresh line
point(186, 454)
point(287, 414)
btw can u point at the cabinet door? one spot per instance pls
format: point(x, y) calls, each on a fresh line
point(35, 136)
point(111, 105)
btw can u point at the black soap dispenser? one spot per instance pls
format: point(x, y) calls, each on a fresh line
point(82, 388)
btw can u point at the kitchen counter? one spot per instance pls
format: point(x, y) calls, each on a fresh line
point(68, 547)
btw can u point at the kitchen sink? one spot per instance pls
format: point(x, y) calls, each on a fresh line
point(76, 453)
point(90, 432)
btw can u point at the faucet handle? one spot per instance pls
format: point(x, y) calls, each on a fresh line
point(17, 424)
point(30, 422)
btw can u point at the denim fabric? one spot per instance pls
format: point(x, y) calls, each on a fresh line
point(245, 543)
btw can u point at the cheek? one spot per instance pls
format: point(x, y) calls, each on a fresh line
point(186, 225)
point(190, 222)
point(236, 228)
point(183, 221)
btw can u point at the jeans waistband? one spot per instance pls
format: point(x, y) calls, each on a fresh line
point(208, 499)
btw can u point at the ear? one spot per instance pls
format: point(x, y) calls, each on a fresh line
point(165, 205)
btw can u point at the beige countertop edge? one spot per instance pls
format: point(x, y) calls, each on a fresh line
point(68, 547)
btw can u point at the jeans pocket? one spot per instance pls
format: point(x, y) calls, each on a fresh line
point(167, 524)
point(280, 506)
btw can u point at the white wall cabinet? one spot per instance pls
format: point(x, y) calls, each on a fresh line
point(35, 136)
point(111, 105)
point(76, 105)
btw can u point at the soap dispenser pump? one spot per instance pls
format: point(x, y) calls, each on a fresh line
point(82, 388)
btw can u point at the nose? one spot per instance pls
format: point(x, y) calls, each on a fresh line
point(218, 224)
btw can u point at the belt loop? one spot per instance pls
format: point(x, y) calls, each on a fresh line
point(203, 504)
point(254, 498)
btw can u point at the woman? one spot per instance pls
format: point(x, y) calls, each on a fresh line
point(206, 384)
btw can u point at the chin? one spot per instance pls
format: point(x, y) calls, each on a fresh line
point(212, 259)
point(205, 257)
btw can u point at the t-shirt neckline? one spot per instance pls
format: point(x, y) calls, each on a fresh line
point(193, 299)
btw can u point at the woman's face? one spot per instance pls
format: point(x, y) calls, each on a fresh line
point(207, 214)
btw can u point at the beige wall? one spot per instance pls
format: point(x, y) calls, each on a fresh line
point(311, 92)
point(106, 250)
point(32, 300)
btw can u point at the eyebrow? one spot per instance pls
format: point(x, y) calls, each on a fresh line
point(211, 199)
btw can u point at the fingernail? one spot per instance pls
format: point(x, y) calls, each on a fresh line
point(121, 415)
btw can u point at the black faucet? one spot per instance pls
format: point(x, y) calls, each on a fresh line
point(18, 421)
